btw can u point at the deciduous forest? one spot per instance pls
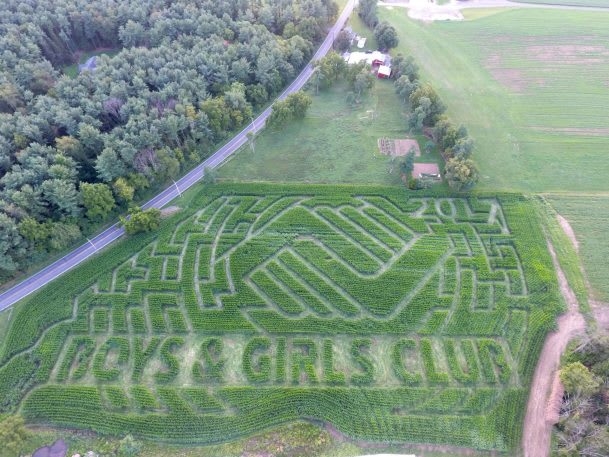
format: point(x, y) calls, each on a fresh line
point(74, 149)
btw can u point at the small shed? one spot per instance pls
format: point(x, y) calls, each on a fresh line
point(426, 170)
point(361, 43)
point(378, 58)
point(384, 72)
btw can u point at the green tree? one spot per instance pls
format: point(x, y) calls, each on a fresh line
point(463, 148)
point(445, 134)
point(317, 79)
point(364, 81)
point(35, 232)
point(97, 199)
point(62, 195)
point(123, 190)
point(210, 175)
point(577, 379)
point(141, 220)
point(343, 41)
point(294, 106)
point(433, 109)
point(280, 114)
point(368, 12)
point(386, 35)
point(109, 166)
point(461, 174)
point(407, 165)
point(405, 66)
point(12, 436)
point(299, 103)
point(62, 235)
point(404, 87)
point(332, 67)
point(11, 243)
point(416, 120)
point(169, 166)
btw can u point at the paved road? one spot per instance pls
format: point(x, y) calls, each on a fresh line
point(114, 232)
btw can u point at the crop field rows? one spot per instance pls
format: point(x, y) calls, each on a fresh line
point(394, 318)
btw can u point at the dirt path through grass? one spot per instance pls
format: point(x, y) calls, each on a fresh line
point(537, 428)
point(537, 431)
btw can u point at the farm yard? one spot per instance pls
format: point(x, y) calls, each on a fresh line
point(291, 293)
point(333, 143)
point(534, 100)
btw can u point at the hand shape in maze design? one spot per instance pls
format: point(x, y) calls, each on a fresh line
point(291, 263)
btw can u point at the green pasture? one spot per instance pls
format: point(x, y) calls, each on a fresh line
point(333, 144)
point(589, 218)
point(530, 85)
point(298, 439)
point(592, 3)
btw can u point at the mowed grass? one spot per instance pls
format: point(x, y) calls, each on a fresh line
point(532, 88)
point(589, 216)
point(333, 144)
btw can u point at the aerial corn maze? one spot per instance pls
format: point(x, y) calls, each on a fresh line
point(392, 316)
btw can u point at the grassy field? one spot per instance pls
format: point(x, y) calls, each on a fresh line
point(334, 143)
point(257, 306)
point(532, 95)
point(600, 3)
point(294, 440)
point(589, 216)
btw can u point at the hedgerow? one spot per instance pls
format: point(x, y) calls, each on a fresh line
point(260, 305)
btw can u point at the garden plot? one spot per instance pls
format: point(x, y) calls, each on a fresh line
point(394, 318)
point(399, 147)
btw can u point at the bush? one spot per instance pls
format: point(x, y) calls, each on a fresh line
point(140, 220)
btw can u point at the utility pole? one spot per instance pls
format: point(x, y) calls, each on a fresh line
point(251, 136)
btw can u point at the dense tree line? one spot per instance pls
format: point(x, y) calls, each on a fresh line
point(367, 11)
point(583, 425)
point(295, 106)
point(427, 113)
point(333, 68)
point(188, 72)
